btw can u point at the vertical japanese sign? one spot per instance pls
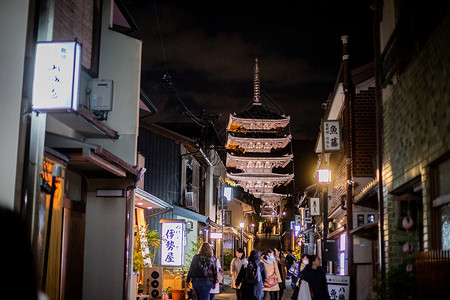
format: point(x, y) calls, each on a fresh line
point(338, 287)
point(172, 243)
point(331, 135)
point(314, 206)
point(56, 76)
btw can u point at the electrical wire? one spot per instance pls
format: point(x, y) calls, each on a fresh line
point(160, 36)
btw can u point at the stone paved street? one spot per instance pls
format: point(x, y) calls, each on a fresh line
point(263, 243)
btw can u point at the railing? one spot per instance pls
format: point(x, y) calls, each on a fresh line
point(433, 274)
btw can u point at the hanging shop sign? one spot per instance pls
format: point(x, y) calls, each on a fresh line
point(338, 286)
point(172, 243)
point(215, 235)
point(331, 135)
point(56, 76)
point(314, 207)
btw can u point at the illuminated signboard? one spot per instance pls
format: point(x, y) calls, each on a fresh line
point(172, 243)
point(56, 76)
point(331, 136)
point(215, 235)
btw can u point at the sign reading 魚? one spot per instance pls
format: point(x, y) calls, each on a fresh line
point(331, 136)
point(56, 76)
point(314, 206)
point(338, 287)
point(172, 243)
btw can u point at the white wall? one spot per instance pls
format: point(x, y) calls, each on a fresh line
point(120, 61)
point(13, 21)
point(104, 248)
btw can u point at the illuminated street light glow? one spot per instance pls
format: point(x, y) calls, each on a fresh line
point(324, 175)
point(241, 224)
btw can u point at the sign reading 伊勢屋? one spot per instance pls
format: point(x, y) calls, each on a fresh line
point(172, 243)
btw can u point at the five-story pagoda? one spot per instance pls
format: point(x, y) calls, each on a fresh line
point(257, 143)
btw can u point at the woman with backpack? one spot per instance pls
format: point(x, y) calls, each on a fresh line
point(203, 272)
point(251, 277)
point(271, 284)
point(236, 265)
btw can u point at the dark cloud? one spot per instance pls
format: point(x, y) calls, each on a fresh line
point(209, 47)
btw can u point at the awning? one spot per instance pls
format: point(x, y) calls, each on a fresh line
point(90, 158)
point(367, 231)
point(232, 230)
point(144, 199)
point(335, 234)
point(214, 224)
point(186, 213)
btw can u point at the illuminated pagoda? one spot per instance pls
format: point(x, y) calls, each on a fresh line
point(257, 143)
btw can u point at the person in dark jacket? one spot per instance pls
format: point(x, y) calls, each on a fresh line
point(203, 272)
point(315, 276)
point(252, 289)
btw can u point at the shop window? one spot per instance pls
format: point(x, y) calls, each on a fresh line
point(441, 204)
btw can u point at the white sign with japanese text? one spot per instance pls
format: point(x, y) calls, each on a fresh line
point(331, 136)
point(338, 287)
point(172, 243)
point(314, 206)
point(56, 76)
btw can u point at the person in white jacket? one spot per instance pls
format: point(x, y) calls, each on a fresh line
point(236, 265)
point(216, 287)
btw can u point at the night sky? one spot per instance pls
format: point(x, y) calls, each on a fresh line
point(210, 49)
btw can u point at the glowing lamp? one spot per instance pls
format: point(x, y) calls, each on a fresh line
point(324, 176)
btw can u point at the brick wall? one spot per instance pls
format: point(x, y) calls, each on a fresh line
point(364, 133)
point(416, 119)
point(74, 19)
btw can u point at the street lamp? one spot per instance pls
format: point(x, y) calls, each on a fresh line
point(324, 177)
point(241, 224)
point(228, 195)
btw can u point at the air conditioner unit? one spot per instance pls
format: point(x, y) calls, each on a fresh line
point(190, 200)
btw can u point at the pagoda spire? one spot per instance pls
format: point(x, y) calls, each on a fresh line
point(256, 88)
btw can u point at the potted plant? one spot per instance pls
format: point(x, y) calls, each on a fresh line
point(146, 243)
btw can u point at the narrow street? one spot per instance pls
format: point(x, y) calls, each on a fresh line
point(263, 243)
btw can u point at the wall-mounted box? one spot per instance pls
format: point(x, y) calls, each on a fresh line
point(101, 95)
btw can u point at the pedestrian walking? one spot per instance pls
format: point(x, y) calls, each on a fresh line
point(216, 288)
point(295, 272)
point(290, 259)
point(315, 276)
point(281, 260)
point(203, 272)
point(236, 265)
point(273, 275)
point(251, 277)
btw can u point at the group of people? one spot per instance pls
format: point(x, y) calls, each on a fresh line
point(260, 274)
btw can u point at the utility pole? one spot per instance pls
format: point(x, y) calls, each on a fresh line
point(348, 158)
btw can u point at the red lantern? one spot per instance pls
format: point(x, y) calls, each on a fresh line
point(408, 248)
point(408, 223)
point(409, 268)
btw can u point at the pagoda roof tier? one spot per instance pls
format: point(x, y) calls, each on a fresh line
point(252, 164)
point(244, 123)
point(270, 197)
point(260, 183)
point(257, 144)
